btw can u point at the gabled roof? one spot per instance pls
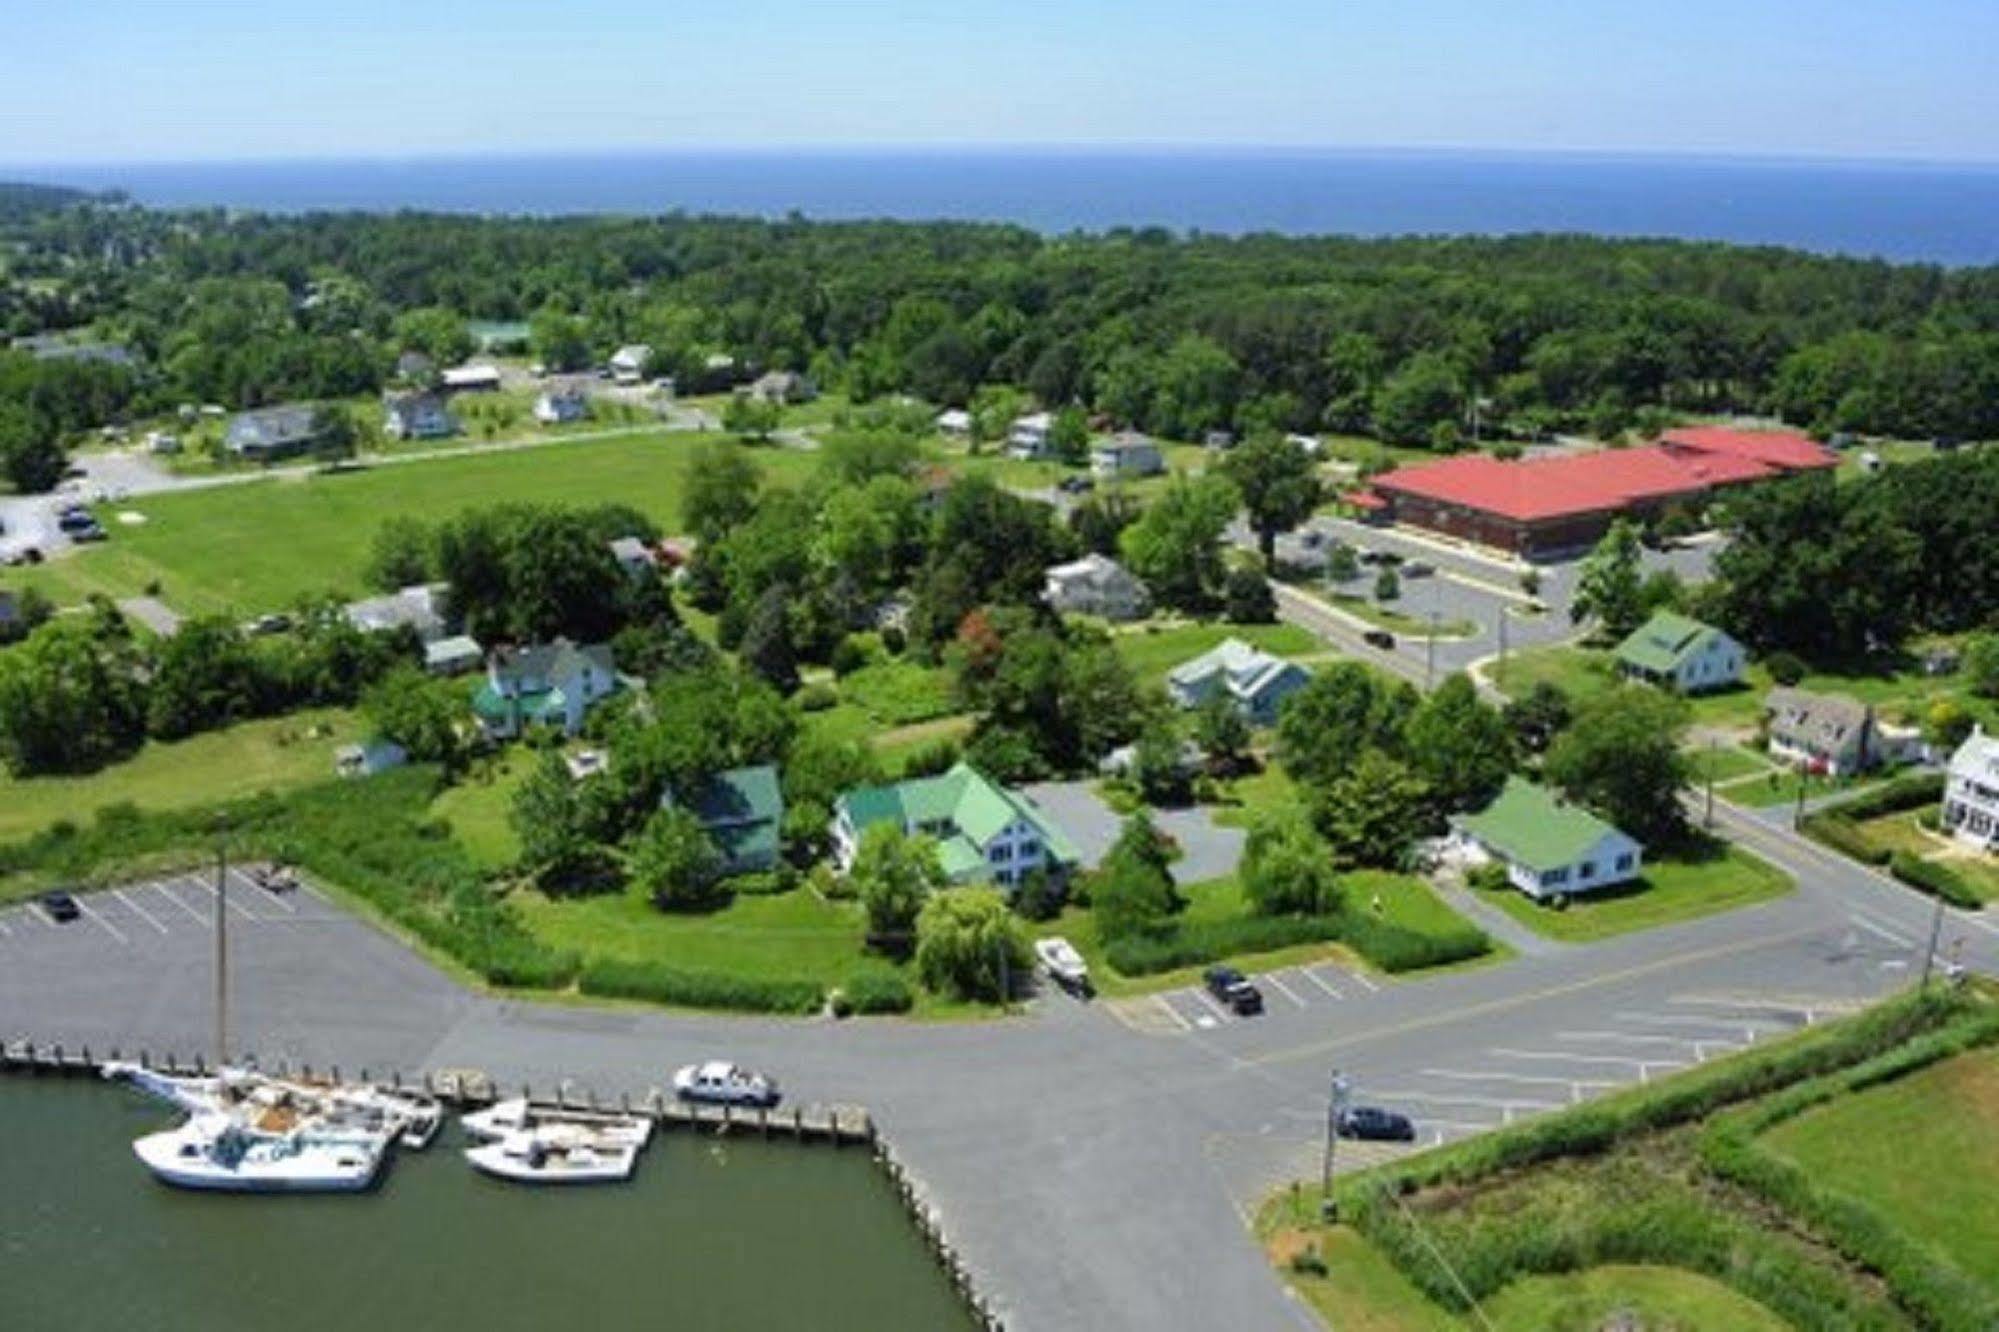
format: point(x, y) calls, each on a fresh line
point(974, 806)
point(1784, 449)
point(1977, 757)
point(737, 796)
point(1824, 719)
point(1665, 641)
point(554, 661)
point(1094, 569)
point(1534, 827)
point(285, 424)
point(1249, 669)
point(1538, 489)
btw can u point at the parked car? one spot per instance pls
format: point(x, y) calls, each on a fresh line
point(1373, 1124)
point(59, 906)
point(1379, 638)
point(719, 1082)
point(17, 555)
point(1418, 569)
point(1076, 485)
point(275, 623)
point(75, 517)
point(1065, 966)
point(81, 535)
point(1234, 989)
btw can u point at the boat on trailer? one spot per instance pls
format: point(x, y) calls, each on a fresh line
point(518, 1115)
point(556, 1154)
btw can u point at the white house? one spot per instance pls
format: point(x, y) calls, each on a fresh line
point(554, 684)
point(1309, 443)
point(1257, 681)
point(456, 655)
point(1097, 585)
point(628, 363)
point(417, 416)
point(1550, 847)
point(1971, 791)
point(983, 831)
point(1678, 652)
point(1833, 734)
point(1028, 436)
point(783, 387)
point(559, 404)
point(419, 607)
point(1126, 454)
point(954, 423)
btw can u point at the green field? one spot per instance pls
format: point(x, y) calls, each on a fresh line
point(263, 544)
point(1725, 763)
point(274, 754)
point(1154, 649)
point(1671, 890)
point(1923, 1151)
point(476, 808)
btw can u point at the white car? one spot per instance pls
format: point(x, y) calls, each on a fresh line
point(1063, 962)
point(721, 1083)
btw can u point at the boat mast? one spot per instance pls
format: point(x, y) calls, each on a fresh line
point(221, 948)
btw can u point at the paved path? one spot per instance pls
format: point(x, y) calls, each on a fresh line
point(1095, 1162)
point(1494, 921)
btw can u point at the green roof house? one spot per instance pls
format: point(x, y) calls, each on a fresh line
point(1550, 847)
point(1683, 654)
point(983, 830)
point(553, 684)
point(742, 811)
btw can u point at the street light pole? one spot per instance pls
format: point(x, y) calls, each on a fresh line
point(1336, 1100)
point(1929, 954)
point(221, 947)
point(1713, 748)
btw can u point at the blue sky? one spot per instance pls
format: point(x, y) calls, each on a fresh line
point(172, 80)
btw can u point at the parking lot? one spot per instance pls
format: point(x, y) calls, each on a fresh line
point(1317, 986)
point(175, 912)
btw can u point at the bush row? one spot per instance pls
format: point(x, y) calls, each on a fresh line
point(1934, 879)
point(1389, 946)
point(876, 991)
point(614, 978)
point(1846, 837)
point(1396, 948)
point(1892, 797)
point(1924, 1281)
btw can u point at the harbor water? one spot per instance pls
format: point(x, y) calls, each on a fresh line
point(712, 1233)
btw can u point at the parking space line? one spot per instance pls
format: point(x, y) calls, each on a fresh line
point(1640, 1038)
point(1172, 1012)
point(1282, 988)
point(1649, 1061)
point(137, 910)
point(1575, 1085)
point(1366, 984)
point(202, 885)
point(1319, 981)
point(1209, 1001)
point(4, 929)
point(98, 916)
point(1506, 1107)
point(262, 893)
point(198, 918)
point(1694, 1020)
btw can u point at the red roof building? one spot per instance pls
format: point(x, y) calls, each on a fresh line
point(1540, 506)
point(1786, 450)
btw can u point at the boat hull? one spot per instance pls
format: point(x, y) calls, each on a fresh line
point(161, 1153)
point(493, 1159)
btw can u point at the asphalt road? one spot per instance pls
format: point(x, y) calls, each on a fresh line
point(1096, 1162)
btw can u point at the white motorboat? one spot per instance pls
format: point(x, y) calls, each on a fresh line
point(503, 1119)
point(1063, 962)
point(415, 1117)
point(218, 1152)
point(556, 1154)
point(411, 1117)
point(722, 1083)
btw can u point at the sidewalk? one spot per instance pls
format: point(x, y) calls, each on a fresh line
point(1494, 921)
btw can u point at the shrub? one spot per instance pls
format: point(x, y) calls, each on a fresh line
point(850, 655)
point(1784, 667)
point(1489, 877)
point(615, 978)
point(1192, 943)
point(1846, 837)
point(765, 883)
point(1247, 598)
point(1039, 896)
point(817, 697)
point(931, 758)
point(1396, 948)
point(1936, 880)
point(1892, 797)
point(877, 990)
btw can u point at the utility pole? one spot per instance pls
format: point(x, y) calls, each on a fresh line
point(1713, 748)
point(1505, 611)
point(221, 947)
point(1929, 953)
point(1336, 1101)
point(1430, 654)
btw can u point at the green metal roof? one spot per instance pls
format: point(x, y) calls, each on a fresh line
point(1531, 826)
point(1664, 641)
point(489, 703)
point(740, 795)
point(962, 803)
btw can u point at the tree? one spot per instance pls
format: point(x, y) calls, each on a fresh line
point(31, 455)
point(1980, 664)
point(548, 821)
point(1422, 392)
point(1610, 585)
point(1342, 565)
point(70, 697)
point(438, 333)
point(1158, 765)
point(719, 488)
point(1222, 733)
point(203, 675)
point(751, 417)
point(1622, 758)
point(1288, 871)
point(403, 554)
point(1344, 709)
point(1102, 517)
point(1459, 745)
point(1279, 485)
point(894, 875)
point(1247, 598)
point(1175, 546)
point(675, 862)
point(423, 714)
point(1132, 890)
point(767, 648)
point(1069, 435)
point(1371, 812)
point(1387, 585)
point(1537, 717)
point(559, 341)
point(969, 945)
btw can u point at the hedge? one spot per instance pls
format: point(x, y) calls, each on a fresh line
point(1388, 946)
point(1846, 837)
point(1934, 879)
point(614, 978)
point(1892, 797)
point(877, 991)
point(1396, 948)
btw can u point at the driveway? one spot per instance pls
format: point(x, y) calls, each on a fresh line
point(1209, 851)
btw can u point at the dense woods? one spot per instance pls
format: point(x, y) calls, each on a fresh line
point(1409, 339)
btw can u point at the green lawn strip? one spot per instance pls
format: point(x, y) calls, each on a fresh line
point(1657, 1297)
point(1265, 793)
point(477, 807)
point(1409, 624)
point(264, 544)
point(1154, 649)
point(1671, 890)
point(273, 754)
point(1781, 786)
point(1358, 1290)
point(1905, 832)
point(900, 692)
point(1578, 672)
point(1922, 1150)
point(1725, 763)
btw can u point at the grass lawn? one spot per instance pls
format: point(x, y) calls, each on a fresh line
point(264, 544)
point(1660, 1299)
point(1922, 1150)
point(1154, 649)
point(1361, 1291)
point(1779, 786)
point(1406, 623)
point(1267, 791)
point(1725, 763)
point(1671, 890)
point(1905, 832)
point(274, 754)
point(899, 692)
point(476, 808)
point(1578, 672)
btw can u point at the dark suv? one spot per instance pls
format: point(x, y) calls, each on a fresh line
point(1372, 1124)
point(1234, 989)
point(59, 906)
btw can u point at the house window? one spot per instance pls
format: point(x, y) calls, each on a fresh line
point(1588, 869)
point(1555, 876)
point(1624, 861)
